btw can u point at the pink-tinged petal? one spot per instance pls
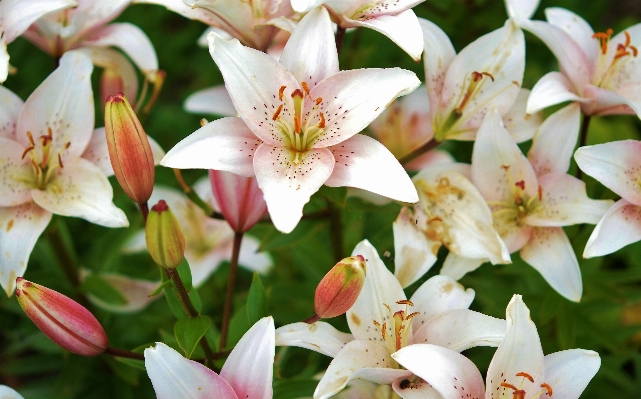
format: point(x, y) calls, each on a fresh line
point(214, 100)
point(131, 40)
point(119, 69)
point(620, 226)
point(514, 235)
point(497, 162)
point(461, 329)
point(249, 367)
point(224, 144)
point(354, 98)
point(17, 15)
point(437, 295)
point(14, 174)
point(310, 53)
point(608, 102)
point(573, 62)
point(550, 252)
point(569, 372)
point(417, 390)
point(253, 80)
point(80, 189)
point(320, 337)
point(135, 292)
point(521, 9)
point(506, 67)
point(576, 27)
point(554, 143)
point(305, 5)
point(433, 157)
point(4, 61)
point(358, 389)
point(179, 7)
point(439, 54)
point(64, 103)
point(565, 202)
point(457, 266)
point(203, 262)
point(288, 179)
point(91, 14)
point(173, 376)
point(450, 373)
point(358, 359)
point(552, 89)
point(381, 288)
point(10, 106)
point(239, 199)
point(403, 29)
point(616, 165)
point(520, 352)
point(20, 227)
point(414, 252)
point(363, 162)
point(8, 393)
point(521, 124)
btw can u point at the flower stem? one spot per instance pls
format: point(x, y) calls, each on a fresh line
point(583, 138)
point(312, 319)
point(340, 35)
point(144, 209)
point(123, 353)
point(195, 198)
point(65, 258)
point(231, 282)
point(430, 145)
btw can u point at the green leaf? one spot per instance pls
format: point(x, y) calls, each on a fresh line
point(189, 331)
point(101, 289)
point(184, 271)
point(238, 326)
point(336, 195)
point(292, 389)
point(160, 288)
point(194, 296)
point(171, 294)
point(257, 302)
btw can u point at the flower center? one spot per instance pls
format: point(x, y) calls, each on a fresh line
point(519, 393)
point(436, 201)
point(607, 70)
point(299, 119)
point(508, 212)
point(44, 164)
point(396, 334)
point(399, 130)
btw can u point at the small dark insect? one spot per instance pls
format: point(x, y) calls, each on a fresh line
point(405, 384)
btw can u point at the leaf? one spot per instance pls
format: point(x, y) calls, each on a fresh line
point(337, 195)
point(171, 294)
point(292, 389)
point(101, 289)
point(160, 288)
point(238, 326)
point(184, 271)
point(194, 296)
point(257, 302)
point(189, 331)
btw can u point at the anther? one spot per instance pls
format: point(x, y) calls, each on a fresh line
point(627, 38)
point(319, 100)
point(526, 375)
point(26, 151)
point(60, 162)
point(280, 93)
point(384, 330)
point(405, 302)
point(540, 193)
point(635, 52)
point(306, 88)
point(277, 113)
point(321, 124)
point(547, 386)
point(412, 315)
point(520, 184)
point(30, 137)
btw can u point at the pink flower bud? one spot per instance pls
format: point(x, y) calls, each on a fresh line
point(240, 200)
point(129, 150)
point(340, 287)
point(63, 320)
point(165, 238)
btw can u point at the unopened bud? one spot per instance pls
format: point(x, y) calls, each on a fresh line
point(129, 150)
point(63, 320)
point(340, 287)
point(165, 238)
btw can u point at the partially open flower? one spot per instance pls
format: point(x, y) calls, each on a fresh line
point(63, 320)
point(165, 238)
point(340, 287)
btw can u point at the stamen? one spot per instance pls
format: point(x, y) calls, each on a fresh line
point(26, 151)
point(540, 193)
point(319, 100)
point(412, 315)
point(405, 302)
point(30, 137)
point(526, 375)
point(277, 113)
point(627, 38)
point(546, 386)
point(280, 93)
point(635, 52)
point(304, 84)
point(321, 124)
point(384, 330)
point(60, 162)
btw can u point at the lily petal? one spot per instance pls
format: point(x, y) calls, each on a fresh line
point(320, 337)
point(214, 100)
point(457, 266)
point(576, 27)
point(550, 252)
point(114, 62)
point(437, 295)
point(439, 54)
point(18, 15)
point(8, 393)
point(570, 371)
point(80, 189)
point(521, 9)
point(173, 376)
point(134, 291)
point(224, 144)
point(14, 190)
point(554, 143)
point(417, 390)
point(521, 124)
point(620, 226)
point(10, 106)
point(608, 102)
point(93, 13)
point(249, 367)
point(414, 252)
point(552, 89)
point(363, 162)
point(20, 227)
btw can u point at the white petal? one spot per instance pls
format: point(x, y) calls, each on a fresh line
point(569, 372)
point(608, 102)
point(80, 189)
point(173, 376)
point(450, 373)
point(576, 27)
point(134, 291)
point(461, 329)
point(63, 102)
point(521, 9)
point(249, 367)
point(363, 162)
point(520, 352)
point(414, 251)
point(417, 390)
point(4, 61)
point(552, 89)
point(91, 14)
point(14, 174)
point(437, 295)
point(439, 54)
point(224, 144)
point(620, 226)
point(288, 179)
point(554, 143)
point(18, 15)
point(427, 159)
point(550, 252)
point(305, 5)
point(518, 122)
point(251, 259)
point(310, 53)
point(615, 165)
point(403, 29)
point(457, 266)
point(20, 227)
point(381, 288)
point(214, 100)
point(320, 337)
point(8, 393)
point(10, 106)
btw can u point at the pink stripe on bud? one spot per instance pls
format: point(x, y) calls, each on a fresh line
point(240, 200)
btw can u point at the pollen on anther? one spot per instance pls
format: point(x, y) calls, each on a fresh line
point(540, 193)
point(277, 113)
point(548, 388)
point(60, 162)
point(280, 93)
point(405, 302)
point(321, 124)
point(526, 375)
point(306, 88)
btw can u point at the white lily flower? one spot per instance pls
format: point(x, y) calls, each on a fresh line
point(518, 368)
point(298, 123)
point(44, 150)
point(8, 393)
point(383, 321)
point(532, 198)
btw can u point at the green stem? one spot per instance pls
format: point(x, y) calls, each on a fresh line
point(123, 353)
point(583, 138)
point(430, 145)
point(144, 209)
point(231, 282)
point(340, 36)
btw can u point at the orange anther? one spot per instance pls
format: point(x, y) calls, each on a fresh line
point(520, 184)
point(67, 144)
point(33, 143)
point(319, 100)
point(321, 124)
point(280, 92)
point(540, 193)
point(506, 167)
point(384, 330)
point(635, 52)
point(627, 38)
point(26, 150)
point(377, 324)
point(277, 113)
point(526, 375)
point(60, 162)
point(506, 385)
point(306, 88)
point(409, 316)
point(489, 75)
point(546, 386)
point(405, 302)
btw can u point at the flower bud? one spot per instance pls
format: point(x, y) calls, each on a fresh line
point(240, 199)
point(165, 238)
point(63, 320)
point(129, 150)
point(340, 287)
